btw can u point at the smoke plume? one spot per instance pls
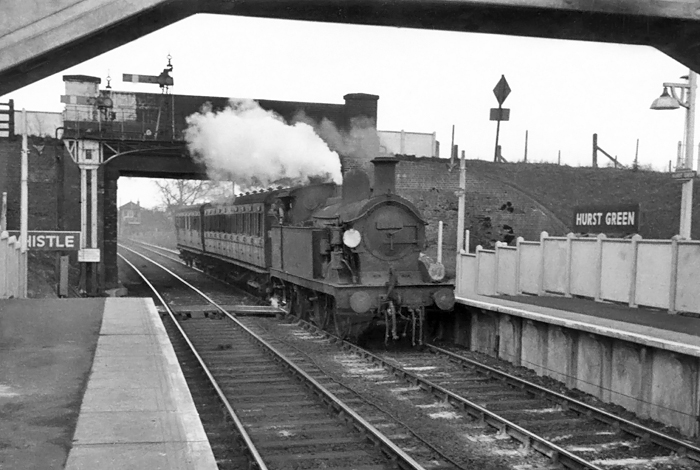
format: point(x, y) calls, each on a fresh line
point(256, 148)
point(360, 143)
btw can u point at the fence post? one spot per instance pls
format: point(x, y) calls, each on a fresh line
point(569, 253)
point(4, 247)
point(518, 241)
point(478, 269)
point(673, 285)
point(634, 247)
point(13, 267)
point(599, 265)
point(439, 247)
point(3, 213)
point(543, 236)
point(496, 256)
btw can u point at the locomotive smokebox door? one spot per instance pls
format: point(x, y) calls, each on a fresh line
point(392, 233)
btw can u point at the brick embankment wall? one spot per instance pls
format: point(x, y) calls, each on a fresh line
point(494, 210)
point(53, 192)
point(561, 188)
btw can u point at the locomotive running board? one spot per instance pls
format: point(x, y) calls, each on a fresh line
point(242, 310)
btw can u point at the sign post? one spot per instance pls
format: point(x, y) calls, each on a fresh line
point(502, 90)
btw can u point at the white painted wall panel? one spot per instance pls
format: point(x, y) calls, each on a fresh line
point(584, 259)
point(653, 274)
point(555, 262)
point(688, 287)
point(487, 266)
point(616, 270)
point(530, 262)
point(507, 259)
point(466, 269)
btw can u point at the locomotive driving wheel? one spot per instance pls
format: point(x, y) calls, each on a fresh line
point(322, 311)
point(299, 304)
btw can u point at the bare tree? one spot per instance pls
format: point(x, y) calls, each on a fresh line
point(175, 193)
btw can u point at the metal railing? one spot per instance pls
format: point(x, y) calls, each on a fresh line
point(146, 124)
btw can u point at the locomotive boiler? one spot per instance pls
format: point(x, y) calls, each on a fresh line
point(344, 258)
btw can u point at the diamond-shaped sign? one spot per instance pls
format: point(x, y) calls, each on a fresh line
point(502, 90)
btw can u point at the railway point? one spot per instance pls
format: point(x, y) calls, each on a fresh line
point(94, 383)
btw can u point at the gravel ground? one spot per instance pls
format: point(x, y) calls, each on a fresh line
point(559, 387)
point(469, 443)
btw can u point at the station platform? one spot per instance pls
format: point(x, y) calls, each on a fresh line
point(93, 383)
point(647, 327)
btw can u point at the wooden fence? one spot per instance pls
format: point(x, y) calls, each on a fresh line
point(13, 266)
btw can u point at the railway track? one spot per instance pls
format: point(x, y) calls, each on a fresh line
point(568, 431)
point(282, 414)
point(572, 434)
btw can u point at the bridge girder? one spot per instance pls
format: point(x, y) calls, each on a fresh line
point(39, 38)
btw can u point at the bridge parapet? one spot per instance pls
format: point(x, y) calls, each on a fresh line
point(91, 113)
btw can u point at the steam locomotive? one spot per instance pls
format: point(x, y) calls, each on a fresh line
point(345, 260)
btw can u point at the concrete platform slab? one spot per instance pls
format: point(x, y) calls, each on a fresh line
point(46, 351)
point(645, 361)
point(137, 411)
point(648, 328)
point(151, 456)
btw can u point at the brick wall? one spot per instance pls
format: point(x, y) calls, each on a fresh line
point(494, 210)
point(53, 185)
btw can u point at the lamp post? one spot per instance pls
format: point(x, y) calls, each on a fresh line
point(685, 173)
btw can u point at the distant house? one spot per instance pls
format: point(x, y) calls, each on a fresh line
point(130, 218)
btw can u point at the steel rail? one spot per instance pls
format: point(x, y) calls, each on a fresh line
point(175, 252)
point(403, 460)
point(249, 445)
point(527, 438)
point(179, 261)
point(676, 445)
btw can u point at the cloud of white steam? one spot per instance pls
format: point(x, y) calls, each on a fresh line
point(256, 148)
point(360, 143)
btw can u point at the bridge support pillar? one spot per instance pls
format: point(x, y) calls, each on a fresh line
point(109, 231)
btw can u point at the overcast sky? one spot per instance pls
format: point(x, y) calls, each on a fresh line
point(562, 91)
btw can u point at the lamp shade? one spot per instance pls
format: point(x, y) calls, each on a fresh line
point(665, 101)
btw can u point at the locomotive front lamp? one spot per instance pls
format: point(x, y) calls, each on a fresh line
point(352, 238)
point(683, 94)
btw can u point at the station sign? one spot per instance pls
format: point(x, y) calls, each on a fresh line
point(502, 90)
point(89, 255)
point(47, 240)
point(684, 174)
point(606, 218)
point(500, 114)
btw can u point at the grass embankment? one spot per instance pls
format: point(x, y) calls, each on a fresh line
point(561, 188)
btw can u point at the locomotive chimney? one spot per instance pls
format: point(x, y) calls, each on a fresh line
point(384, 175)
